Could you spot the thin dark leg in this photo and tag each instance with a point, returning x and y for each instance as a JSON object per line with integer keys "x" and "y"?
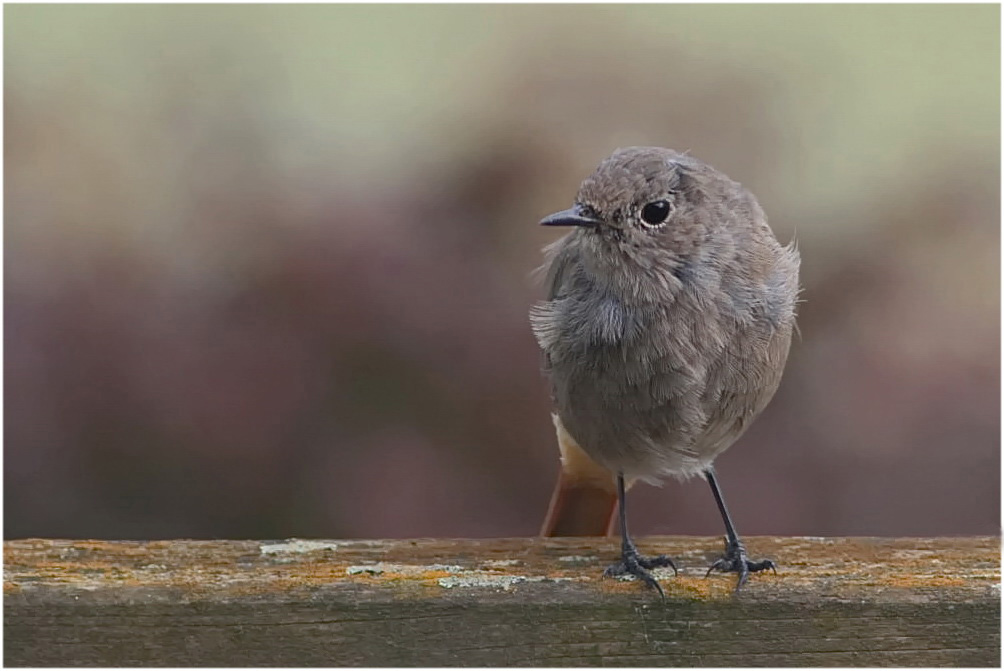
{"x": 730, "y": 530}
{"x": 734, "y": 559}
{"x": 632, "y": 562}
{"x": 622, "y": 510}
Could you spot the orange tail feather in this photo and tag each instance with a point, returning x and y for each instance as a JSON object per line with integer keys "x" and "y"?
{"x": 585, "y": 496}
{"x": 579, "y": 509}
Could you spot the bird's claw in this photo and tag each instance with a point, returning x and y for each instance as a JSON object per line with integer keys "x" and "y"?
{"x": 735, "y": 561}
{"x": 632, "y": 563}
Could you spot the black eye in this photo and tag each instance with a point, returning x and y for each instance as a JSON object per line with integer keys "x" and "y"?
{"x": 655, "y": 213}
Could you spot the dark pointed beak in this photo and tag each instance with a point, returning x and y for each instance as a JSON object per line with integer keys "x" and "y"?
{"x": 570, "y": 217}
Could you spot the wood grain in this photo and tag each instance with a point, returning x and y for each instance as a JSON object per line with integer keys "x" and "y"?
{"x": 526, "y": 602}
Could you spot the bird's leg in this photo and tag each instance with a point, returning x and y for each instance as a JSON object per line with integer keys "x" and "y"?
{"x": 631, "y": 562}
{"x": 735, "y": 559}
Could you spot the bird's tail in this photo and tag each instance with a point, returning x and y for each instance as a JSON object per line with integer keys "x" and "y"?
{"x": 585, "y": 496}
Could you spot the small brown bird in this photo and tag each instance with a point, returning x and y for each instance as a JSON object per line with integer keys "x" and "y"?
{"x": 665, "y": 333}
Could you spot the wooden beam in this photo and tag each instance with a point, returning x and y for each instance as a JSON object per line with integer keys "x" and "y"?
{"x": 541, "y": 601}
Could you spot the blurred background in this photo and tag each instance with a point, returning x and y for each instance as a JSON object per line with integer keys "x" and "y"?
{"x": 267, "y": 268}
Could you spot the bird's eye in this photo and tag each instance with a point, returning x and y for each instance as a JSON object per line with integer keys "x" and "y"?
{"x": 655, "y": 213}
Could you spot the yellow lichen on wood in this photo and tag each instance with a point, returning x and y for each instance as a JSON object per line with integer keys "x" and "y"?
{"x": 838, "y": 566}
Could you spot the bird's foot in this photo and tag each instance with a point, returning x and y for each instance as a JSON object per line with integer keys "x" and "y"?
{"x": 632, "y": 563}
{"x": 735, "y": 561}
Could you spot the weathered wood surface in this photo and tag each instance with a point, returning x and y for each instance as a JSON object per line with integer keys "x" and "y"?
{"x": 516, "y": 602}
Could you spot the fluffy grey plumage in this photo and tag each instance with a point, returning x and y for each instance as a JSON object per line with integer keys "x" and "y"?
{"x": 663, "y": 340}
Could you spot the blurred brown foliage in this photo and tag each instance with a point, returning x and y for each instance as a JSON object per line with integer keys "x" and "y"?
{"x": 205, "y": 338}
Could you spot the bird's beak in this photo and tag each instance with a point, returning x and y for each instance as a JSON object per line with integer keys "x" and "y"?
{"x": 570, "y": 217}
